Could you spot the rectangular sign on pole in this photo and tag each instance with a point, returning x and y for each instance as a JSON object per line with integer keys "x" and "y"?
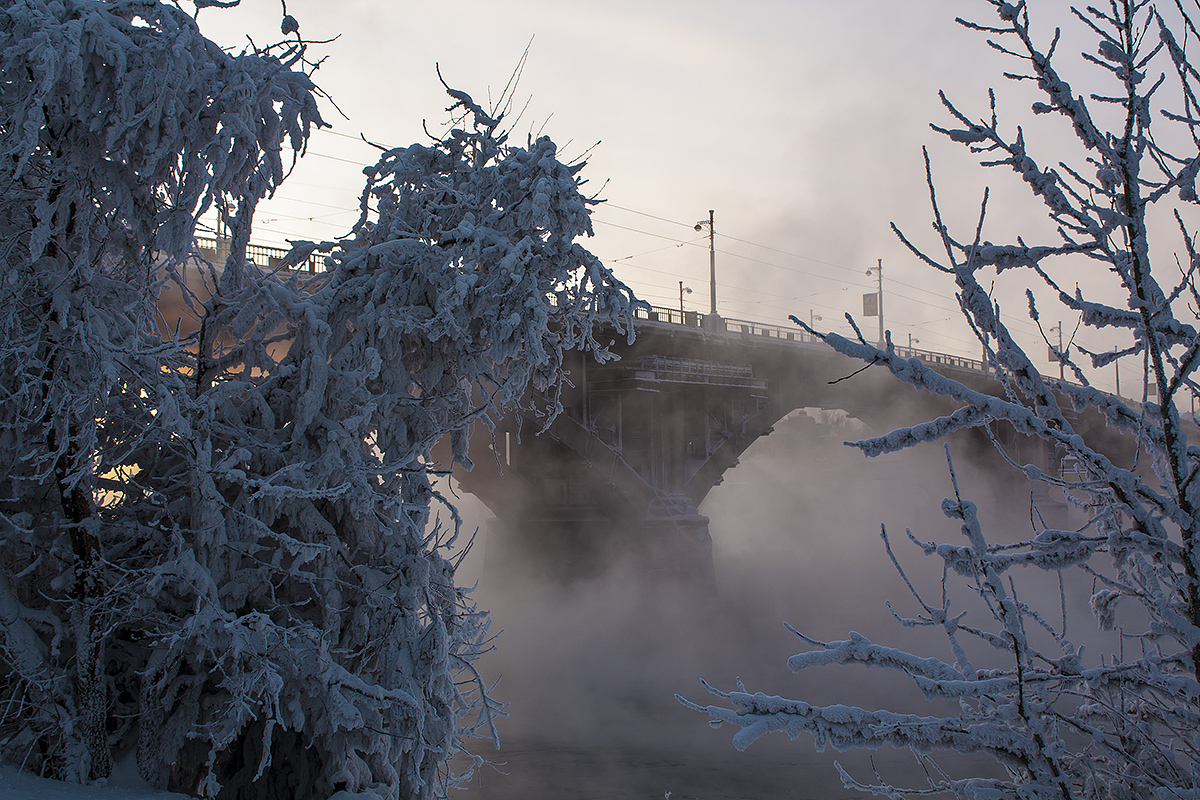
{"x": 871, "y": 304}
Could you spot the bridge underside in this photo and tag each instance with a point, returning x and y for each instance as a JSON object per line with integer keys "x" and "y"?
{"x": 621, "y": 472}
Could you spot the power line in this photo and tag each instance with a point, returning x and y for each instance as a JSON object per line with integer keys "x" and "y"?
{"x": 668, "y": 238}
{"x": 731, "y": 254}
{"x": 336, "y": 158}
{"x": 644, "y": 233}
{"x": 674, "y": 243}
{"x": 332, "y": 132}
{"x": 339, "y": 209}
{"x": 736, "y": 287}
{"x": 731, "y": 238}
{"x": 895, "y": 282}
{"x": 648, "y": 252}
{"x": 610, "y": 204}
{"x": 765, "y": 247}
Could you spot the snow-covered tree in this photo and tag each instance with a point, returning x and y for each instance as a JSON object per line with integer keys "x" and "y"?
{"x": 1119, "y": 721}
{"x": 216, "y": 552}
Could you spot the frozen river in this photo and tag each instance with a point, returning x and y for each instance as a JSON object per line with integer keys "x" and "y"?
{"x": 772, "y": 768}
{"x": 547, "y": 770}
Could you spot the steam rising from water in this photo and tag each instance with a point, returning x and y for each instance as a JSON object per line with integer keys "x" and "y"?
{"x": 590, "y": 669}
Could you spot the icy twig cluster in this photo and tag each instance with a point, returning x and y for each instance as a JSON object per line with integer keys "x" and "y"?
{"x": 1061, "y": 724}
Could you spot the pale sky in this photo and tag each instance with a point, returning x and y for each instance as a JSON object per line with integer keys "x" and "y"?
{"x": 800, "y": 122}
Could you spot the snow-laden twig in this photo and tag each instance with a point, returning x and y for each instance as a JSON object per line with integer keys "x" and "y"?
{"x": 216, "y": 550}
{"x": 1061, "y": 722}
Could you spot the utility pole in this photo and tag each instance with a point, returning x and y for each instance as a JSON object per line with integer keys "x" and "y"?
{"x": 222, "y": 245}
{"x": 878, "y": 270}
{"x": 712, "y": 259}
{"x": 1062, "y": 367}
{"x": 983, "y": 359}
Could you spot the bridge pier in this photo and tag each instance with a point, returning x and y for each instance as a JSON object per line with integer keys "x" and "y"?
{"x": 620, "y": 473}
{"x": 671, "y": 545}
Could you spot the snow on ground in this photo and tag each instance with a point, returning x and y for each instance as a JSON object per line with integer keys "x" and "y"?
{"x": 17, "y": 785}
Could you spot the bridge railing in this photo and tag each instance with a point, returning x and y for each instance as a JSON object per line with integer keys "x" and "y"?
{"x": 215, "y": 251}
{"x": 787, "y": 334}
{"x": 745, "y": 327}
{"x": 672, "y": 316}
{"x": 695, "y": 319}
{"x": 944, "y": 359}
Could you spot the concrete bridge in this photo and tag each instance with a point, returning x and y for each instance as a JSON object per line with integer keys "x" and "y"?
{"x": 642, "y": 440}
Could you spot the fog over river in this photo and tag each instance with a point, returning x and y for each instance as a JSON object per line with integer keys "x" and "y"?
{"x": 589, "y": 670}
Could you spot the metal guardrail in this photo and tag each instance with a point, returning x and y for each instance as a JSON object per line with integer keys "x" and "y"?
{"x": 694, "y": 319}
{"x": 214, "y": 251}
{"x": 942, "y": 359}
{"x": 671, "y": 316}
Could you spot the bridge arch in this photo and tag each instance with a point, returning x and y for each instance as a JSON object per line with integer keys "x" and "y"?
{"x": 641, "y": 441}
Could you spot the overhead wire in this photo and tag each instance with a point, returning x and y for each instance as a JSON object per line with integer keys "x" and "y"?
{"x": 752, "y": 259}
{"x": 674, "y": 243}
{"x": 668, "y": 238}
{"x": 744, "y": 289}
{"x": 648, "y": 252}
{"x": 718, "y": 234}
{"x": 610, "y": 204}
{"x": 1029, "y": 327}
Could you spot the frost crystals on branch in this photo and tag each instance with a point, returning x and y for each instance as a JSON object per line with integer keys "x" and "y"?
{"x": 215, "y": 549}
{"x": 1062, "y": 723}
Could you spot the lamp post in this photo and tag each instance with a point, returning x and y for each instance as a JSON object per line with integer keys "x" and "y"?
{"x": 712, "y": 260}
{"x": 878, "y": 270}
{"x": 682, "y": 289}
{"x": 911, "y": 342}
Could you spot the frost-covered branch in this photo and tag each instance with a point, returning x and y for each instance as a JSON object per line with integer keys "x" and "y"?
{"x": 214, "y": 545}
{"x": 1063, "y": 723}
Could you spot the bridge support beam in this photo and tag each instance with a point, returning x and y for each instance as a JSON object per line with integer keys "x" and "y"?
{"x": 623, "y": 470}
{"x": 620, "y": 474}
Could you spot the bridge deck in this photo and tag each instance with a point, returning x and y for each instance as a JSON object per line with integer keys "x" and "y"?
{"x": 691, "y": 319}
{"x": 269, "y": 257}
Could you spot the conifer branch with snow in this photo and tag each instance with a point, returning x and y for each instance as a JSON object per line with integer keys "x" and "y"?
{"x": 216, "y": 551}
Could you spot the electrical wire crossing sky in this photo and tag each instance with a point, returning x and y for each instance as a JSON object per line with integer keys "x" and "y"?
{"x": 800, "y": 124}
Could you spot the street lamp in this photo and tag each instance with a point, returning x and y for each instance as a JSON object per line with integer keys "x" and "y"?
{"x": 911, "y": 342}
{"x": 712, "y": 260}
{"x": 682, "y": 289}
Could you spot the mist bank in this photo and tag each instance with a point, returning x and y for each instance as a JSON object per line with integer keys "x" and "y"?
{"x": 590, "y": 668}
